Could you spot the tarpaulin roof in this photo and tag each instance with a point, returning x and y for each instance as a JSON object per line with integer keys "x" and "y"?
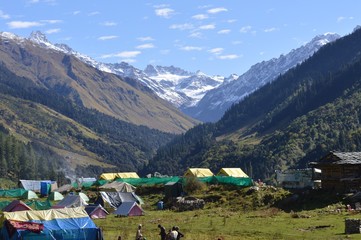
{"x": 71, "y": 201}
{"x": 34, "y": 185}
{"x": 129, "y": 209}
{"x": 198, "y": 172}
{"x": 117, "y": 187}
{"x": 148, "y": 181}
{"x": 66, "y": 223}
{"x": 232, "y": 172}
{"x": 115, "y": 199}
{"x": 112, "y": 176}
{"x": 16, "y": 205}
{"x": 12, "y": 192}
{"x": 96, "y": 211}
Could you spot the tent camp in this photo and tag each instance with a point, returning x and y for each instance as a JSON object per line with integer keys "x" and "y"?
{"x": 112, "y": 176}
{"x": 96, "y": 211}
{"x": 232, "y": 172}
{"x": 33, "y": 185}
{"x": 115, "y": 199}
{"x": 198, "y": 172}
{"x": 129, "y": 209}
{"x": 70, "y": 201}
{"x": 117, "y": 187}
{"x": 68, "y": 223}
{"x": 29, "y": 195}
{"x": 55, "y": 196}
{"x": 16, "y": 205}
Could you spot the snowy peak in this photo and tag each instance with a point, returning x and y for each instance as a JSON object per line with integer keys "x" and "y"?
{"x": 38, "y": 37}
{"x": 215, "y": 102}
{"x": 151, "y": 70}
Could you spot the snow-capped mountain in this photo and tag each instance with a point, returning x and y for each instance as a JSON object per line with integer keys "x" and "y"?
{"x": 177, "y": 86}
{"x": 216, "y": 101}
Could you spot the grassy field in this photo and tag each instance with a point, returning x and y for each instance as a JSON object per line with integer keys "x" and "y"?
{"x": 238, "y": 214}
{"x": 220, "y": 223}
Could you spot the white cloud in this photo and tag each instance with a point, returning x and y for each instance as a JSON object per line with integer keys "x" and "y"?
{"x": 94, "y": 13}
{"x": 216, "y": 51}
{"x": 53, "y": 30}
{"x": 224, "y": 31}
{"x": 164, "y": 12}
{"x": 146, "y": 46}
{"x": 340, "y": 19}
{"x": 144, "y": 39}
{"x": 124, "y": 54}
{"x": 128, "y": 54}
{"x": 228, "y": 57}
{"x": 51, "y": 21}
{"x": 217, "y": 10}
{"x": 185, "y": 26}
{"x": 103, "y": 38}
{"x": 191, "y": 48}
{"x": 76, "y": 12}
{"x": 196, "y": 35}
{"x": 245, "y": 29}
{"x": 4, "y": 15}
{"x": 23, "y": 24}
{"x": 200, "y": 16}
{"x": 109, "y": 24}
{"x": 270, "y": 29}
{"x": 207, "y": 27}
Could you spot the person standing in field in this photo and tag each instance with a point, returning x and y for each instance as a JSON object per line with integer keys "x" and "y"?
{"x": 173, "y": 234}
{"x": 139, "y": 235}
{"x": 162, "y": 232}
{"x": 179, "y": 235}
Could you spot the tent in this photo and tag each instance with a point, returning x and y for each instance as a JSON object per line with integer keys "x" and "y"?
{"x": 115, "y": 199}
{"x": 232, "y": 172}
{"x": 55, "y": 196}
{"x": 198, "y": 172}
{"x": 13, "y": 193}
{"x": 84, "y": 197}
{"x": 129, "y": 209}
{"x": 117, "y": 187}
{"x": 112, "y": 176}
{"x": 96, "y": 211}
{"x": 16, "y": 205}
{"x": 33, "y": 185}
{"x": 29, "y": 195}
{"x": 68, "y": 223}
{"x": 71, "y": 201}
{"x": 39, "y": 205}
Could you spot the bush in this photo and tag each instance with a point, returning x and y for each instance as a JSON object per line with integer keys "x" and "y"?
{"x": 192, "y": 185}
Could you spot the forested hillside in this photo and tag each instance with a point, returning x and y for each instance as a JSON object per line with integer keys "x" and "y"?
{"x": 67, "y": 136}
{"x": 311, "y": 109}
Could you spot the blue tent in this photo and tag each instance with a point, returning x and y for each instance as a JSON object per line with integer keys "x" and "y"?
{"x": 66, "y": 223}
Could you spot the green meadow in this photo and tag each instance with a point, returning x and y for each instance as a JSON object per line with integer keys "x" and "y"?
{"x": 242, "y": 214}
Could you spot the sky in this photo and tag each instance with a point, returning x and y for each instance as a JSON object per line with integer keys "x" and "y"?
{"x": 219, "y": 37}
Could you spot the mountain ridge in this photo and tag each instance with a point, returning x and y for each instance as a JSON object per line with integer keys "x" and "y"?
{"x": 47, "y": 65}
{"x": 215, "y": 102}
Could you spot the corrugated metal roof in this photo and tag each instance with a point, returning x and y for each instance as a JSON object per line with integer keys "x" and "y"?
{"x": 341, "y": 158}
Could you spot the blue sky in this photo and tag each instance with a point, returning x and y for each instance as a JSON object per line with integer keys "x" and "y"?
{"x": 217, "y": 37}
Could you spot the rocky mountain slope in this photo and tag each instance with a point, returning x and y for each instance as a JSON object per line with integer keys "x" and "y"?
{"x": 52, "y": 67}
{"x": 216, "y": 101}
